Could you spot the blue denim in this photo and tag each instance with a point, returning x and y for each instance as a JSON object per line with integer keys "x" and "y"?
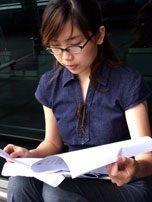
{"x": 24, "y": 189}
{"x": 117, "y": 89}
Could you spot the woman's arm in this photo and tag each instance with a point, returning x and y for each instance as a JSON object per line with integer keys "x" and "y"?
{"x": 124, "y": 169}
{"x": 52, "y": 143}
{"x": 138, "y": 124}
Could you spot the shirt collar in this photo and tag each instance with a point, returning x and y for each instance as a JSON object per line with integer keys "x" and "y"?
{"x": 102, "y": 76}
{"x": 67, "y": 76}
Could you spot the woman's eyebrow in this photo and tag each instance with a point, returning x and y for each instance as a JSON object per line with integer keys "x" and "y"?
{"x": 73, "y": 37}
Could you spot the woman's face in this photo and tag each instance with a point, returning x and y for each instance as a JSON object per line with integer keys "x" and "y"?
{"x": 79, "y": 63}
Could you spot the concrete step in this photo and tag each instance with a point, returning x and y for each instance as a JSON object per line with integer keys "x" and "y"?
{"x": 3, "y": 189}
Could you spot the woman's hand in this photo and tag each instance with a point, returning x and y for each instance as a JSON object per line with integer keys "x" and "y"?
{"x": 122, "y": 171}
{"x": 16, "y": 151}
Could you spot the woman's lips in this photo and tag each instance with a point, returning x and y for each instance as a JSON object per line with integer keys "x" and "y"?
{"x": 71, "y": 67}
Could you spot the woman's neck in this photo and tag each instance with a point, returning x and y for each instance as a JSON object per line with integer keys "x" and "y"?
{"x": 84, "y": 79}
{"x": 84, "y": 84}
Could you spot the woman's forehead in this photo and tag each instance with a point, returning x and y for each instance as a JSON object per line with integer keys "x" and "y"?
{"x": 68, "y": 38}
{"x": 69, "y": 32}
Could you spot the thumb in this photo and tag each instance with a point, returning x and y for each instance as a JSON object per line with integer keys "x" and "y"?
{"x": 121, "y": 160}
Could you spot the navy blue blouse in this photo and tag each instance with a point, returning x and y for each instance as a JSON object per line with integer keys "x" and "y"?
{"x": 118, "y": 89}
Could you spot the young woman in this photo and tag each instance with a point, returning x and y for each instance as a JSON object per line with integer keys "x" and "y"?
{"x": 90, "y": 99}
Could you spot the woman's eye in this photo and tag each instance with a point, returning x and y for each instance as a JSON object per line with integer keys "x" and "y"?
{"x": 54, "y": 45}
{"x": 76, "y": 44}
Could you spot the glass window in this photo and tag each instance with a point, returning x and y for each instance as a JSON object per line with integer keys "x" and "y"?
{"x": 22, "y": 61}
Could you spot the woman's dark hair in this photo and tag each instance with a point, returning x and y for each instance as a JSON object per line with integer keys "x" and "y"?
{"x": 87, "y": 15}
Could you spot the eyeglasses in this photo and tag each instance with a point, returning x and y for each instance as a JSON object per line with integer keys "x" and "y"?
{"x": 70, "y": 49}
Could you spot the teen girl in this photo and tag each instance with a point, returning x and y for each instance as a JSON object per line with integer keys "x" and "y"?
{"x": 90, "y": 99}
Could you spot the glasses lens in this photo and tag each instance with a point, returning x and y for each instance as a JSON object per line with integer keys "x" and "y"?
{"x": 71, "y": 49}
{"x": 56, "y": 51}
{"x": 74, "y": 49}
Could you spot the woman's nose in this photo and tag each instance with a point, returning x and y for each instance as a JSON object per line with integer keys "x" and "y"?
{"x": 66, "y": 55}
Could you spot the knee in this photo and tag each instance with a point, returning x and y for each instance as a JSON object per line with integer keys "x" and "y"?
{"x": 24, "y": 189}
{"x": 57, "y": 194}
{"x": 16, "y": 184}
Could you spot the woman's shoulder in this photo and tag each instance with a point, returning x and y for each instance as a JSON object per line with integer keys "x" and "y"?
{"x": 125, "y": 73}
{"x": 126, "y": 78}
{"x": 51, "y": 74}
{"x": 51, "y": 77}
{"x": 47, "y": 86}
{"x": 128, "y": 86}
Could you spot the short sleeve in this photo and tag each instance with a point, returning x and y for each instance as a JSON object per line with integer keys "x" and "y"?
{"x": 43, "y": 91}
{"x": 135, "y": 91}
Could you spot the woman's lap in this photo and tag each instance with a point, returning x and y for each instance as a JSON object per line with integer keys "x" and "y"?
{"x": 77, "y": 190}
{"x": 106, "y": 191}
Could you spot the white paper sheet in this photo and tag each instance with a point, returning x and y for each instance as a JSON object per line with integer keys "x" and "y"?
{"x": 53, "y": 169}
{"x": 96, "y": 157}
{"x": 15, "y": 169}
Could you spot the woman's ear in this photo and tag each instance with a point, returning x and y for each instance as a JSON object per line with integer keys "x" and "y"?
{"x": 100, "y": 35}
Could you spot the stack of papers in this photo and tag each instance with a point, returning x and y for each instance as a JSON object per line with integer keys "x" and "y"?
{"x": 89, "y": 162}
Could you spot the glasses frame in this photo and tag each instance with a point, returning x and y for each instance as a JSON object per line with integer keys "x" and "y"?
{"x": 67, "y": 49}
